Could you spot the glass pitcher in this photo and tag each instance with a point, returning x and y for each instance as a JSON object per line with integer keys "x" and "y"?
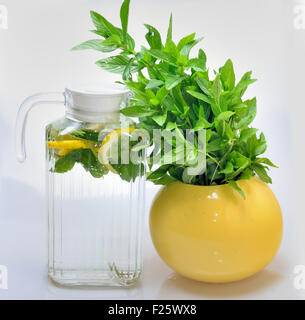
{"x": 95, "y": 199}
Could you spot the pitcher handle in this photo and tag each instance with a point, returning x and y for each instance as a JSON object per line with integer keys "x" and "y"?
{"x": 21, "y": 121}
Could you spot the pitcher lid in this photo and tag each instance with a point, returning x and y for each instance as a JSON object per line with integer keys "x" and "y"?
{"x": 90, "y": 101}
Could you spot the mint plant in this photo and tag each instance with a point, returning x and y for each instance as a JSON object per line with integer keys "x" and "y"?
{"x": 173, "y": 91}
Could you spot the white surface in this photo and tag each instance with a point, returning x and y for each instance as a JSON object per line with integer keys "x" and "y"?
{"x": 34, "y": 57}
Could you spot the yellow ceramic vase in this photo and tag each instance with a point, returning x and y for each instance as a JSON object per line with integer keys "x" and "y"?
{"x": 211, "y": 234}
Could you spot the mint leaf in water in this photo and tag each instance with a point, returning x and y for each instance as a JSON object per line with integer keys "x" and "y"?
{"x": 129, "y": 172}
{"x": 86, "y": 157}
{"x": 86, "y": 134}
{"x": 67, "y": 162}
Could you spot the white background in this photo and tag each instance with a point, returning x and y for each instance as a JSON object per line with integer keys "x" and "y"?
{"x": 35, "y": 56}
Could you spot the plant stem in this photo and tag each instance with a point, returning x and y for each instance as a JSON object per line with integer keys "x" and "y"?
{"x": 219, "y": 164}
{"x": 213, "y": 159}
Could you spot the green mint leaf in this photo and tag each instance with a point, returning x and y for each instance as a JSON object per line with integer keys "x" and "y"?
{"x": 179, "y": 100}
{"x": 186, "y": 178}
{"x": 137, "y": 111}
{"x": 163, "y": 56}
{"x": 228, "y": 169}
{"x": 113, "y": 40}
{"x": 138, "y": 89}
{"x": 184, "y": 41}
{"x": 265, "y": 161}
{"x": 224, "y": 116}
{"x": 227, "y": 75}
{"x": 100, "y": 33}
{"x": 170, "y": 29}
{"x": 261, "y": 172}
{"x": 67, "y": 162}
{"x": 239, "y": 109}
{"x": 188, "y": 47}
{"x": 154, "y": 83}
{"x": 128, "y": 70}
{"x": 215, "y": 145}
{"x": 130, "y": 42}
{"x": 85, "y": 157}
{"x": 204, "y": 86}
{"x": 86, "y": 134}
{"x": 97, "y": 45}
{"x": 171, "y": 48}
{"x": 239, "y": 160}
{"x": 256, "y": 146}
{"x": 171, "y": 126}
{"x": 261, "y": 145}
{"x": 153, "y": 37}
{"x": 200, "y": 96}
{"x": 176, "y": 172}
{"x": 103, "y": 24}
{"x": 234, "y": 185}
{"x": 91, "y": 164}
{"x": 165, "y": 180}
{"x": 201, "y": 124}
{"x": 196, "y": 64}
{"x": 247, "y": 118}
{"x": 202, "y": 56}
{"x": 129, "y": 172}
{"x": 162, "y": 94}
{"x": 243, "y": 84}
{"x": 246, "y": 175}
{"x": 247, "y": 133}
{"x": 229, "y": 132}
{"x": 117, "y": 64}
{"x": 159, "y": 173}
{"x": 172, "y": 81}
{"x": 160, "y": 119}
{"x": 171, "y": 106}
{"x": 250, "y": 146}
{"x": 216, "y": 89}
{"x": 124, "y": 14}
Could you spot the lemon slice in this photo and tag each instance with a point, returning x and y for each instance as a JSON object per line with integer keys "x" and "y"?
{"x": 105, "y": 150}
{"x": 66, "y": 146}
{"x": 64, "y": 152}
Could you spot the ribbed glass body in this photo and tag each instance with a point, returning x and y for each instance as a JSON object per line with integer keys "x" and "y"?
{"x": 95, "y": 223}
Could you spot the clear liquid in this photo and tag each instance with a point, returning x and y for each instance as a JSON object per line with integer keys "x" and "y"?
{"x": 95, "y": 228}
